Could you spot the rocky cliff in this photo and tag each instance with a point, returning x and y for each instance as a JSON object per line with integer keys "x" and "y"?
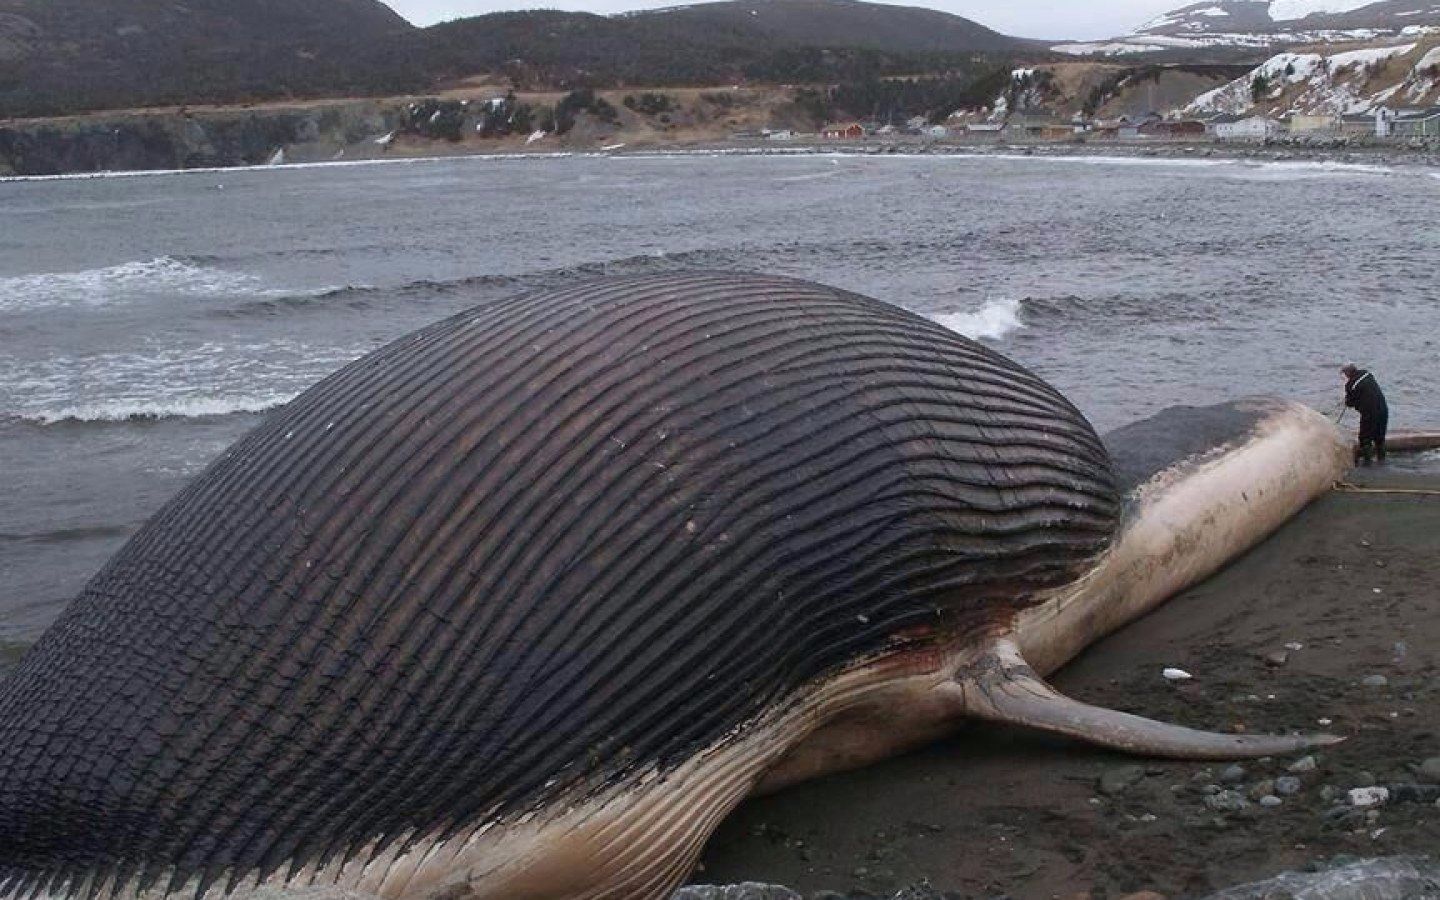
{"x": 235, "y": 137}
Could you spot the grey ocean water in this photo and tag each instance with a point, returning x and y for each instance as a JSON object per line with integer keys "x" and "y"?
{"x": 148, "y": 321}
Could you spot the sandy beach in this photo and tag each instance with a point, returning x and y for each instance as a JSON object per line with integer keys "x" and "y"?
{"x": 1007, "y": 813}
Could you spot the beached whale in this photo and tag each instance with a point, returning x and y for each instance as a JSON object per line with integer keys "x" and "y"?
{"x": 521, "y": 605}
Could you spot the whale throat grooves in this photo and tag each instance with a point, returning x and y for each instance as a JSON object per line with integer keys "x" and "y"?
{"x": 527, "y": 553}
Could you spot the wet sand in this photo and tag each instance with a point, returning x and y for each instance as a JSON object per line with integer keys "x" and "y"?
{"x": 1002, "y": 812}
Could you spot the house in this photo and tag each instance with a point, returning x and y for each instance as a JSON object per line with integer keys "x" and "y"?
{"x": 1384, "y": 122}
{"x": 843, "y": 131}
{"x": 1037, "y": 123}
{"x": 1214, "y": 122}
{"x": 779, "y": 134}
{"x": 1314, "y": 124}
{"x": 984, "y": 127}
{"x": 1254, "y": 128}
{"x": 1417, "y": 123}
{"x": 916, "y": 124}
{"x": 1173, "y": 128}
{"x": 1128, "y": 129}
{"x": 1359, "y": 125}
{"x": 937, "y": 132}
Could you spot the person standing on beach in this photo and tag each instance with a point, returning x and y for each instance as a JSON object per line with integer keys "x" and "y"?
{"x": 1362, "y": 393}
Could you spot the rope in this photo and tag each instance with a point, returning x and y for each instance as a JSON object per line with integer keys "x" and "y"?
{"x": 1346, "y": 487}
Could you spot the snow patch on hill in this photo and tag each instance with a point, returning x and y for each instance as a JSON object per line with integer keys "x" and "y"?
{"x": 1270, "y": 25}
{"x": 1313, "y": 83}
{"x": 1289, "y": 10}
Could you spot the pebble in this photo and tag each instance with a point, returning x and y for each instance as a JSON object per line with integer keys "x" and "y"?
{"x": 748, "y": 891}
{"x": 1375, "y": 681}
{"x": 1177, "y": 675}
{"x": 1304, "y": 764}
{"x": 1270, "y": 801}
{"x": 1117, "y": 780}
{"x": 1277, "y": 659}
{"x": 1227, "y": 801}
{"x": 1262, "y": 789}
{"x": 1430, "y": 769}
{"x": 1232, "y": 774}
{"x": 1368, "y": 796}
{"x": 1414, "y": 793}
{"x": 1293, "y": 646}
{"x": 1287, "y": 785}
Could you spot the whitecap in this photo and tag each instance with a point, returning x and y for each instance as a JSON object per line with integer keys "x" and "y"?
{"x": 163, "y": 274}
{"x": 163, "y": 381}
{"x": 993, "y": 321}
{"x": 180, "y": 407}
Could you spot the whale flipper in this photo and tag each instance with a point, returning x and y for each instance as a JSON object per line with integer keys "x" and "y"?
{"x": 1002, "y": 687}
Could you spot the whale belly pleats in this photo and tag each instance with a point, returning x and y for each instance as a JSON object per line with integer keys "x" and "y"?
{"x": 519, "y": 558}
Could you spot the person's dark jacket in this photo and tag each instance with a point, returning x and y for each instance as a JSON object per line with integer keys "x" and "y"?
{"x": 1363, "y": 393}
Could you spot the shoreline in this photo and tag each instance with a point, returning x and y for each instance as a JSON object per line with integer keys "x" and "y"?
{"x": 1380, "y": 159}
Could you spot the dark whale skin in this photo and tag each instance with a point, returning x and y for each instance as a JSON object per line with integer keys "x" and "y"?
{"x": 533, "y": 550}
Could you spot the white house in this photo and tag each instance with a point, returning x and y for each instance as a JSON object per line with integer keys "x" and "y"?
{"x": 1384, "y": 122}
{"x": 1253, "y": 128}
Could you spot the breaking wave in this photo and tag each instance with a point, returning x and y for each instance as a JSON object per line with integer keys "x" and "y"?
{"x": 167, "y": 275}
{"x": 155, "y": 410}
{"x": 993, "y": 321}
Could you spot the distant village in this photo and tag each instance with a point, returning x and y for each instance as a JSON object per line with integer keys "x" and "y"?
{"x": 1387, "y": 124}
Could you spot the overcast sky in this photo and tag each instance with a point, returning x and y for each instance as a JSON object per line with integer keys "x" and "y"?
{"x": 1083, "y": 19}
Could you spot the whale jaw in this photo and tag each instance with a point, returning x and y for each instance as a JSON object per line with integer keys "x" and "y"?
{"x": 1188, "y": 521}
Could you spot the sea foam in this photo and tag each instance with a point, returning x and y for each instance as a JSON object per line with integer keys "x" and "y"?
{"x": 993, "y": 321}
{"x": 163, "y": 274}
{"x": 166, "y": 276}
{"x": 149, "y": 410}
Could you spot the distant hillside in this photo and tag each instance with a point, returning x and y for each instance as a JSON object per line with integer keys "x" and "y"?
{"x": 835, "y": 23}
{"x": 64, "y": 55}
{"x": 784, "y": 40}
{"x": 60, "y": 56}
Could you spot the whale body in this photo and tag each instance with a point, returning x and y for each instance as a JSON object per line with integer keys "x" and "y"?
{"x": 521, "y": 605}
